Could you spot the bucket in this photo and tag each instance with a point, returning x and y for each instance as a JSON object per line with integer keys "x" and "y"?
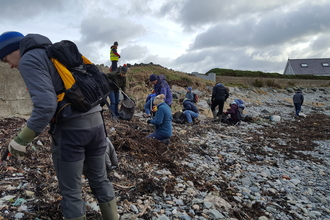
{"x": 127, "y": 109}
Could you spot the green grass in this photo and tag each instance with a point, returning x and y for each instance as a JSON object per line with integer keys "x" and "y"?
{"x": 260, "y": 74}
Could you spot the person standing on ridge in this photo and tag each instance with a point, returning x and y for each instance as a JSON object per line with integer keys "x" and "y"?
{"x": 78, "y": 143}
{"x": 114, "y": 57}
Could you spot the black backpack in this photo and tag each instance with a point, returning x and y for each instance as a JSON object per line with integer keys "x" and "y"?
{"x": 179, "y": 118}
{"x": 240, "y": 115}
{"x": 90, "y": 86}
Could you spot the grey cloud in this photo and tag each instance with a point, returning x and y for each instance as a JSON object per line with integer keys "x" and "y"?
{"x": 193, "y": 14}
{"x": 273, "y": 28}
{"x": 134, "y": 52}
{"x": 322, "y": 45}
{"x": 202, "y": 61}
{"x": 16, "y": 10}
{"x": 107, "y": 30}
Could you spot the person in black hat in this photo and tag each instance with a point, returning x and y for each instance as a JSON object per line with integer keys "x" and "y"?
{"x": 114, "y": 56}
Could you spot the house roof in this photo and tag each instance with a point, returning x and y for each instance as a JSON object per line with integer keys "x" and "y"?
{"x": 319, "y": 66}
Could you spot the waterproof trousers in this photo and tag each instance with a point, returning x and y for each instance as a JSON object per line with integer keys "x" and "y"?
{"x": 79, "y": 144}
{"x": 148, "y": 105}
{"x": 114, "y": 101}
{"x": 190, "y": 115}
{"x": 297, "y": 107}
{"x": 220, "y": 103}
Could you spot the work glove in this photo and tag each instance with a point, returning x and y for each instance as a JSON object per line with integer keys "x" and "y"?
{"x": 154, "y": 108}
{"x": 17, "y": 147}
{"x": 148, "y": 121}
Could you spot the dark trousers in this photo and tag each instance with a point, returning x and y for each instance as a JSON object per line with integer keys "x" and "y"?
{"x": 114, "y": 66}
{"x": 114, "y": 102}
{"x": 297, "y": 106}
{"x": 79, "y": 145}
{"x": 220, "y": 103}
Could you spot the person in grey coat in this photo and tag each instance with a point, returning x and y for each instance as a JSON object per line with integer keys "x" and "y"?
{"x": 298, "y": 100}
{"x": 78, "y": 142}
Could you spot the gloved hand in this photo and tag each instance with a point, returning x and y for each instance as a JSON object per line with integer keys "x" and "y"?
{"x": 17, "y": 147}
{"x": 119, "y": 56}
{"x": 154, "y": 108}
{"x": 182, "y": 110}
{"x": 148, "y": 121}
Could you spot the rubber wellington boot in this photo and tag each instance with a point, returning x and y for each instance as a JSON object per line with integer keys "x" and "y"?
{"x": 219, "y": 118}
{"x": 214, "y": 116}
{"x": 109, "y": 210}
{"x": 79, "y": 218}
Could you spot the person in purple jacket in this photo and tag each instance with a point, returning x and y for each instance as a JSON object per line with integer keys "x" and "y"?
{"x": 161, "y": 87}
{"x": 233, "y": 112}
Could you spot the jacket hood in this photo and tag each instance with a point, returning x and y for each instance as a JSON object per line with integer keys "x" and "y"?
{"x": 161, "y": 78}
{"x": 220, "y": 85}
{"x": 32, "y": 41}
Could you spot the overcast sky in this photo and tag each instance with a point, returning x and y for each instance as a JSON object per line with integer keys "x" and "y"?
{"x": 183, "y": 35}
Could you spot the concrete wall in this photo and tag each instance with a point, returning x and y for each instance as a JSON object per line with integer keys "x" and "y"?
{"x": 14, "y": 97}
{"x": 210, "y": 76}
{"x": 249, "y": 81}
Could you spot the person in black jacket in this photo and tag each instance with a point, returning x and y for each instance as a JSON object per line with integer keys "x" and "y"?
{"x": 219, "y": 96}
{"x": 298, "y": 100}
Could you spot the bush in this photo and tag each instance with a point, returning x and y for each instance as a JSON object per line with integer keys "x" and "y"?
{"x": 260, "y": 74}
{"x": 291, "y": 84}
{"x": 271, "y": 83}
{"x": 258, "y": 83}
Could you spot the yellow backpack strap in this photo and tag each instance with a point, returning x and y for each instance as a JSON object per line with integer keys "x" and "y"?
{"x": 66, "y": 76}
{"x": 86, "y": 61}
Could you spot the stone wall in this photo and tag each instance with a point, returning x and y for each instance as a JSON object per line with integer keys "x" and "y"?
{"x": 249, "y": 81}
{"x": 14, "y": 97}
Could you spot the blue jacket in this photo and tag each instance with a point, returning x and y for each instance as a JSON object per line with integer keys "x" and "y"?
{"x": 150, "y": 96}
{"x": 163, "y": 120}
{"x": 189, "y": 96}
{"x": 162, "y": 87}
{"x": 188, "y": 105}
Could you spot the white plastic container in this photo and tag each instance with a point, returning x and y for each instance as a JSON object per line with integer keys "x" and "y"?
{"x": 276, "y": 118}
